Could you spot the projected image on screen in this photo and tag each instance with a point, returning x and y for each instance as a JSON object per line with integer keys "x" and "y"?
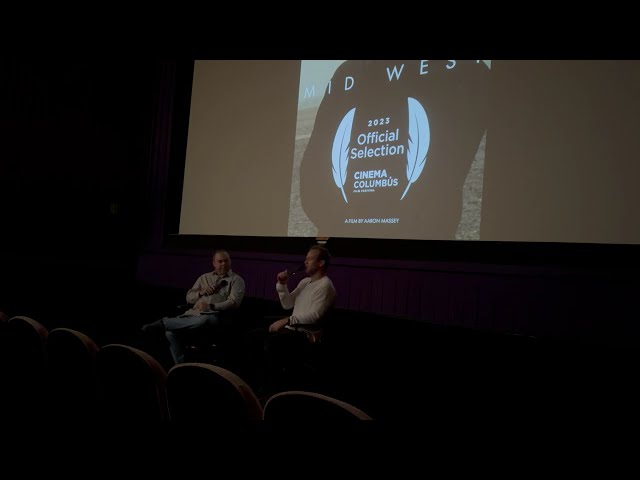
{"x": 395, "y": 149}
{"x": 389, "y": 149}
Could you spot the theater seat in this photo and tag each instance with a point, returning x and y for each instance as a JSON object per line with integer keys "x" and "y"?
{"x": 199, "y": 392}
{"x": 133, "y": 385}
{"x": 73, "y": 378}
{"x": 309, "y": 406}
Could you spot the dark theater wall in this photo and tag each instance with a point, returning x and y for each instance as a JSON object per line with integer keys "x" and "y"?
{"x": 74, "y": 141}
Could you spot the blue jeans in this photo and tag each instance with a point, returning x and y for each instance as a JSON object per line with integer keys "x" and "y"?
{"x": 175, "y": 325}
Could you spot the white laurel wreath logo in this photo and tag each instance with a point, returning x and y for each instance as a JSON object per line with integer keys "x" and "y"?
{"x": 418, "y": 145}
{"x": 340, "y": 151}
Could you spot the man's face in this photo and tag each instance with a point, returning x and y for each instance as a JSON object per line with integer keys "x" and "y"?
{"x": 221, "y": 263}
{"x": 311, "y": 262}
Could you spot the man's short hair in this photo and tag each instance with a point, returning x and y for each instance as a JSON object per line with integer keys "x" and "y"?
{"x": 221, "y": 252}
{"x": 323, "y": 254}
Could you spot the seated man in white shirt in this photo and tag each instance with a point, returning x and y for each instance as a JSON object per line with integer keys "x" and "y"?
{"x": 310, "y": 300}
{"x": 213, "y": 296}
{"x": 312, "y": 297}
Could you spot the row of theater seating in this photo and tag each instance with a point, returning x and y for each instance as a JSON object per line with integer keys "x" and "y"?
{"x": 64, "y": 373}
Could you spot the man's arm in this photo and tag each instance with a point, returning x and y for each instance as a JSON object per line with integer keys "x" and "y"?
{"x": 288, "y": 299}
{"x": 193, "y": 295}
{"x": 279, "y": 324}
{"x": 236, "y": 294}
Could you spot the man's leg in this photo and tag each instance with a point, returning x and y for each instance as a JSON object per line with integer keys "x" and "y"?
{"x": 281, "y": 349}
{"x": 252, "y": 354}
{"x": 176, "y": 326}
{"x": 176, "y": 347}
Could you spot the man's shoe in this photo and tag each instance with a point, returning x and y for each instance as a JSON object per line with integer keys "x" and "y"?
{"x": 153, "y": 327}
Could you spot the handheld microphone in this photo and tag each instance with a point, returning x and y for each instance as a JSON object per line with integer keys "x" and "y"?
{"x": 298, "y": 270}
